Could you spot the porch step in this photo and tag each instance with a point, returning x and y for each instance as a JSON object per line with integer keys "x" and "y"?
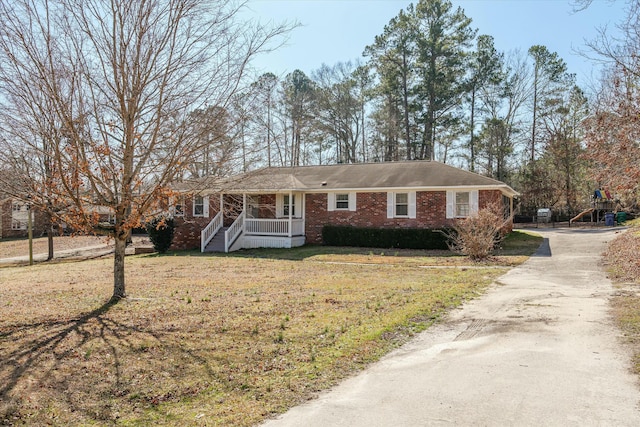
{"x": 217, "y": 243}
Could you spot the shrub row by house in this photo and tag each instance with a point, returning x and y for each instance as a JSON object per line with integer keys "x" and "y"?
{"x": 405, "y": 238}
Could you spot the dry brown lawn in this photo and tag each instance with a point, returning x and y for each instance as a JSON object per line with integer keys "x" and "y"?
{"x": 209, "y": 340}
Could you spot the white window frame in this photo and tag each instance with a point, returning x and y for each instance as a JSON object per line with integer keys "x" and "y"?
{"x": 342, "y": 201}
{"x": 288, "y": 204}
{"x": 463, "y": 207}
{"x": 453, "y": 206}
{"x": 178, "y": 208}
{"x": 297, "y": 205}
{"x": 397, "y": 204}
{"x": 332, "y": 201}
{"x": 392, "y": 204}
{"x": 204, "y": 205}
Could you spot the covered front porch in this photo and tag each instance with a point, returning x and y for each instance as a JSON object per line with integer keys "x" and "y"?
{"x": 249, "y": 220}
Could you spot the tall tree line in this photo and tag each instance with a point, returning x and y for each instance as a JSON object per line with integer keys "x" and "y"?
{"x": 428, "y": 87}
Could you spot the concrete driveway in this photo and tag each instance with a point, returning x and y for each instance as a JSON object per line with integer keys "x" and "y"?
{"x": 538, "y": 349}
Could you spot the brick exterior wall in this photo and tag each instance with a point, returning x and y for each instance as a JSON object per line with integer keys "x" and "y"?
{"x": 486, "y": 197}
{"x": 495, "y": 196}
{"x": 371, "y": 211}
{"x": 266, "y": 205}
{"x": 187, "y": 227}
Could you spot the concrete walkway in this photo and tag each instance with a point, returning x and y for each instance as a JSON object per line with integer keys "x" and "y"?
{"x": 539, "y": 349}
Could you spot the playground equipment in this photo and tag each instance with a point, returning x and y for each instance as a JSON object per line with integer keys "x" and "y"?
{"x": 581, "y": 214}
{"x": 603, "y": 206}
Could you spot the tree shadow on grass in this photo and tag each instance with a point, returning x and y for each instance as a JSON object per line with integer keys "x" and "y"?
{"x": 49, "y": 363}
{"x": 36, "y": 351}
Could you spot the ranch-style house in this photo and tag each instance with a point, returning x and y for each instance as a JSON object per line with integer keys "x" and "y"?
{"x": 284, "y": 207}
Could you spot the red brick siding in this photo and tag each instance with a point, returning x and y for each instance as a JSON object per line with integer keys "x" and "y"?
{"x": 267, "y": 205}
{"x": 486, "y": 197}
{"x": 187, "y": 228}
{"x": 371, "y": 211}
{"x": 491, "y": 196}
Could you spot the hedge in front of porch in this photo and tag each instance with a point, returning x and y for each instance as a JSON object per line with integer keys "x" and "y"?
{"x": 401, "y": 238}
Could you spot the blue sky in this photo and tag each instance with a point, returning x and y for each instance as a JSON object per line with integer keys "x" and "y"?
{"x": 332, "y": 31}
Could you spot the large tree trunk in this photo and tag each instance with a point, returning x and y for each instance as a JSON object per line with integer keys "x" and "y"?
{"x": 118, "y": 265}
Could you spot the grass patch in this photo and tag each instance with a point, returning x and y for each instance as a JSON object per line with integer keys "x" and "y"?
{"x": 215, "y": 339}
{"x": 514, "y": 250}
{"x": 519, "y": 243}
{"x": 623, "y": 265}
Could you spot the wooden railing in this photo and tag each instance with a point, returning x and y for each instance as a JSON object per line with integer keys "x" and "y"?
{"x": 273, "y": 227}
{"x": 210, "y": 230}
{"x": 234, "y": 232}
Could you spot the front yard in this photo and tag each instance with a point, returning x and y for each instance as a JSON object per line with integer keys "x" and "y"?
{"x": 215, "y": 339}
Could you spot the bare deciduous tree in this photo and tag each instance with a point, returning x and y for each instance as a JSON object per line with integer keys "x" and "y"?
{"x": 613, "y": 129}
{"x": 110, "y": 85}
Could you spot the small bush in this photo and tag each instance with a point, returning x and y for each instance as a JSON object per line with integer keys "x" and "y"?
{"x": 404, "y": 238}
{"x": 478, "y": 235}
{"x": 160, "y": 231}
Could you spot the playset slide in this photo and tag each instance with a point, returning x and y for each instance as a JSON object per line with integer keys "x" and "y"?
{"x": 581, "y": 214}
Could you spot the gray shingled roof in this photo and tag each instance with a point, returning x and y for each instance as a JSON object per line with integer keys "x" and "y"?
{"x": 359, "y": 176}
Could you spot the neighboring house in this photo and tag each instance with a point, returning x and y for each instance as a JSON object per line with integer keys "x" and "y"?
{"x": 14, "y": 219}
{"x": 287, "y": 207}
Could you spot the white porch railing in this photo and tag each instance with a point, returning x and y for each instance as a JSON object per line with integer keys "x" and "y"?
{"x": 210, "y": 230}
{"x": 234, "y": 231}
{"x": 273, "y": 227}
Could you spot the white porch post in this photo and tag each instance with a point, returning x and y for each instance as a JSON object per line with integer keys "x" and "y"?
{"x": 304, "y": 213}
{"x": 244, "y": 212}
{"x": 511, "y": 208}
{"x": 291, "y": 207}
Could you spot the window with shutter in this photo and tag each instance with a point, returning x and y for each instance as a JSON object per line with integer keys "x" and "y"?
{"x": 198, "y": 206}
{"x": 342, "y": 201}
{"x": 402, "y": 204}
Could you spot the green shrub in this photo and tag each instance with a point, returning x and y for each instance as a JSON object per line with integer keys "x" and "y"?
{"x": 404, "y": 238}
{"x": 160, "y": 231}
